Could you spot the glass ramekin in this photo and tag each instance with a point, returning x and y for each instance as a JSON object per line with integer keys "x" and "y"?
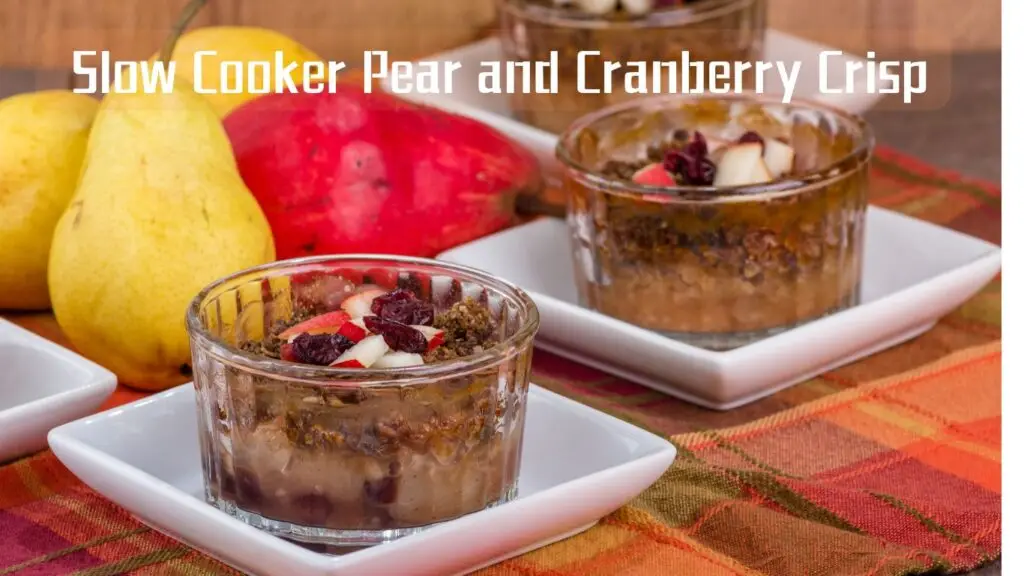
{"x": 718, "y": 268}
{"x": 709, "y": 30}
{"x": 352, "y": 457}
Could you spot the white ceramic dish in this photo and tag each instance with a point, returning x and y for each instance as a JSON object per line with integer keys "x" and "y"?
{"x": 43, "y": 385}
{"x": 578, "y": 465}
{"x": 466, "y": 99}
{"x": 915, "y": 273}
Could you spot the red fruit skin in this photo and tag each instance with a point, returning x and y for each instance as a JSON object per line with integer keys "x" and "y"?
{"x": 287, "y": 353}
{"x": 352, "y": 332}
{"x": 435, "y": 341}
{"x": 323, "y": 324}
{"x": 352, "y": 172}
{"x": 654, "y": 175}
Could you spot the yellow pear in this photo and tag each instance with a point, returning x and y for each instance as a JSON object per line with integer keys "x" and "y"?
{"x": 160, "y": 212}
{"x": 236, "y": 44}
{"x": 42, "y": 141}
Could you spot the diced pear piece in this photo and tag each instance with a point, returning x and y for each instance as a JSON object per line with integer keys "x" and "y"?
{"x": 761, "y": 173}
{"x": 364, "y": 354}
{"x": 596, "y": 6}
{"x": 742, "y": 165}
{"x": 638, "y": 7}
{"x": 779, "y": 157}
{"x": 398, "y": 360}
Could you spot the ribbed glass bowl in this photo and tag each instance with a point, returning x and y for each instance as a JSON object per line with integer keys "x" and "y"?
{"x": 356, "y": 456}
{"x": 718, "y": 267}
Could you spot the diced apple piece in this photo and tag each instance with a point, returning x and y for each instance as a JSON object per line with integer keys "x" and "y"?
{"x": 779, "y": 157}
{"x": 323, "y": 324}
{"x": 434, "y": 336}
{"x": 358, "y": 304}
{"x": 364, "y": 354}
{"x": 398, "y": 360}
{"x": 739, "y": 165}
{"x": 354, "y": 330}
{"x": 654, "y": 175}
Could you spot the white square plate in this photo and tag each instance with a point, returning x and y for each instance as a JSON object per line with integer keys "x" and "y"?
{"x": 578, "y": 466}
{"x": 466, "y": 99}
{"x": 915, "y": 273}
{"x": 43, "y": 385}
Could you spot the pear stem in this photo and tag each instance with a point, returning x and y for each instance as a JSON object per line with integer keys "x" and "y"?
{"x": 191, "y": 9}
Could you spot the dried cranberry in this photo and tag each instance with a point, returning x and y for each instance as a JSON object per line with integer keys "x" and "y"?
{"x": 402, "y": 306}
{"x": 319, "y": 349}
{"x": 674, "y": 162}
{"x": 410, "y": 312}
{"x": 399, "y": 337}
{"x": 751, "y": 136}
{"x": 692, "y": 162}
{"x": 394, "y": 296}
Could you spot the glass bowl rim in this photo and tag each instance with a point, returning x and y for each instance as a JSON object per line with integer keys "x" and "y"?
{"x": 824, "y": 176}
{"x": 663, "y": 18}
{"x": 366, "y": 377}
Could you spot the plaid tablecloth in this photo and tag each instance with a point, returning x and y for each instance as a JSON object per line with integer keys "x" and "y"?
{"x": 887, "y": 466}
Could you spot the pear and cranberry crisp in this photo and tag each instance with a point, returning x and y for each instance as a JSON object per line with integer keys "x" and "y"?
{"x": 353, "y": 455}
{"x": 727, "y": 242}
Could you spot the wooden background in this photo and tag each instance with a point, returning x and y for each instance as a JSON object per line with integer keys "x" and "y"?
{"x": 43, "y": 33}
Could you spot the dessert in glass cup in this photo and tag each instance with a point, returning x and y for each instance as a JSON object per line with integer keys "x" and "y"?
{"x": 352, "y": 400}
{"x": 717, "y": 221}
{"x": 621, "y": 31}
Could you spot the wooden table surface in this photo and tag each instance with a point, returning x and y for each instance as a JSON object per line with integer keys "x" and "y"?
{"x": 963, "y": 135}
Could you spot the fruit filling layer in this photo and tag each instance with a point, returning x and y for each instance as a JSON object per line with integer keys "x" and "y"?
{"x": 378, "y": 329}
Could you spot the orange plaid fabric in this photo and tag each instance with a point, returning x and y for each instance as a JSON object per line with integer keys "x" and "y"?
{"x": 887, "y": 466}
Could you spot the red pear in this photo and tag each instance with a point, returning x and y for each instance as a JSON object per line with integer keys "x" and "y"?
{"x": 350, "y": 172}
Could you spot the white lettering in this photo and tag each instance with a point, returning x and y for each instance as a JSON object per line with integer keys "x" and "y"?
{"x": 259, "y": 81}
{"x": 197, "y": 66}
{"x": 788, "y": 78}
{"x": 410, "y": 77}
{"x": 581, "y": 66}
{"x": 232, "y": 77}
{"x": 81, "y": 70}
{"x": 915, "y": 80}
{"x": 158, "y": 76}
{"x": 489, "y": 80}
{"x": 823, "y": 68}
{"x": 334, "y": 68}
{"x": 126, "y": 72}
{"x": 718, "y": 74}
{"x": 313, "y": 77}
{"x": 282, "y": 74}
